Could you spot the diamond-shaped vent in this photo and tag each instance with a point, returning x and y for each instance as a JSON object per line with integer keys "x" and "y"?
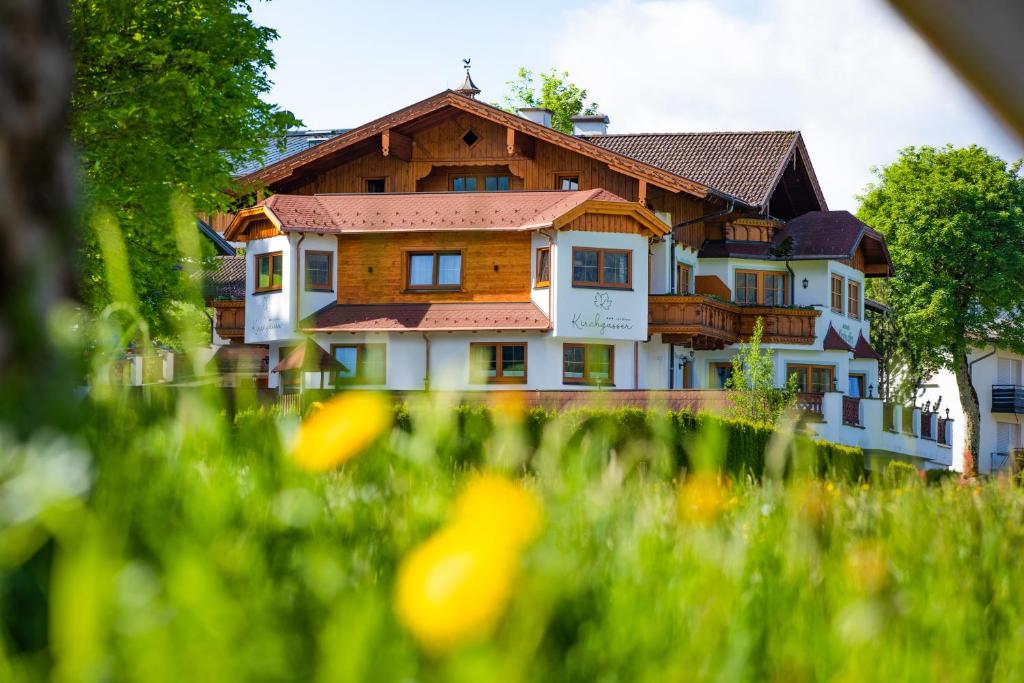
{"x": 470, "y": 138}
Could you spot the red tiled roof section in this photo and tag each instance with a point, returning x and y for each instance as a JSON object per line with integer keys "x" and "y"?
{"x": 746, "y": 165}
{"x": 864, "y": 349}
{"x": 403, "y": 212}
{"x": 427, "y": 317}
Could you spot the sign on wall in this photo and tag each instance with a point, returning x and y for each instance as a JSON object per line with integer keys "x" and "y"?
{"x": 602, "y": 319}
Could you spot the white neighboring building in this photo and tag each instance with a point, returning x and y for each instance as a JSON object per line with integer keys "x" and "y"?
{"x": 997, "y": 379}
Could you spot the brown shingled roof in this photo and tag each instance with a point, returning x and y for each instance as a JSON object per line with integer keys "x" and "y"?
{"x": 427, "y": 317}
{"x": 864, "y": 349}
{"x": 227, "y": 282}
{"x": 745, "y": 165}
{"x": 834, "y": 342}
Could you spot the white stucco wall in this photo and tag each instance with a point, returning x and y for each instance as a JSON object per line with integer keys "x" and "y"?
{"x": 597, "y": 313}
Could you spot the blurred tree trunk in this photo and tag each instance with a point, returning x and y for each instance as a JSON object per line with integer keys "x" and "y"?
{"x": 37, "y": 227}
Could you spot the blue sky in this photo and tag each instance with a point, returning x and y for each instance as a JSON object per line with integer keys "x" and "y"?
{"x": 850, "y": 75}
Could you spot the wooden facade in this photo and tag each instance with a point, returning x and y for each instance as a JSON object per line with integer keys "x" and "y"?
{"x": 373, "y": 269}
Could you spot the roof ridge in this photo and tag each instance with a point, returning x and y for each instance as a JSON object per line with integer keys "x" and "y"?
{"x": 697, "y": 132}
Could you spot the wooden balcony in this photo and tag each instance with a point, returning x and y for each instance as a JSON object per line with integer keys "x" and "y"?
{"x": 704, "y": 323}
{"x": 693, "y": 320}
{"x": 229, "y": 319}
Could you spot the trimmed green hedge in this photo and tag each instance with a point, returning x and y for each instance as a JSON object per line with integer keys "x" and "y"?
{"x": 745, "y": 443}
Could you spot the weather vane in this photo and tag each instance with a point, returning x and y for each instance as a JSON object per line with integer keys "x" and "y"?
{"x": 465, "y": 63}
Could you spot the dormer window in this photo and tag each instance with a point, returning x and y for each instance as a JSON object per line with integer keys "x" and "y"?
{"x": 567, "y": 183}
{"x": 375, "y": 185}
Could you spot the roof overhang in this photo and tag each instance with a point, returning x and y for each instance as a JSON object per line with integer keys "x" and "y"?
{"x": 293, "y": 165}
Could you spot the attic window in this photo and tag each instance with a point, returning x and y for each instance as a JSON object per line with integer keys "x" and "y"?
{"x": 470, "y": 138}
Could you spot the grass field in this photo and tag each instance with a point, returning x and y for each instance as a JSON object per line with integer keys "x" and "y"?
{"x": 169, "y": 543}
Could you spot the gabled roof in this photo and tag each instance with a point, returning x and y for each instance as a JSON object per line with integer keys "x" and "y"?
{"x": 864, "y": 349}
{"x": 309, "y": 356}
{"x": 294, "y": 141}
{"x": 745, "y": 165}
{"x": 816, "y": 235}
{"x": 437, "y": 211}
{"x": 227, "y": 282}
{"x": 219, "y": 243}
{"x": 293, "y": 165}
{"x": 427, "y": 317}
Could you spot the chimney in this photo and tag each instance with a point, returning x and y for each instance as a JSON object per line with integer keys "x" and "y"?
{"x": 537, "y": 115}
{"x": 590, "y": 124}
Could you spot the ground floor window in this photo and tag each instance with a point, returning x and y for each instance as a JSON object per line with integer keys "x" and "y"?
{"x": 720, "y": 374}
{"x": 497, "y": 363}
{"x": 588, "y": 364}
{"x": 360, "y": 364}
{"x": 814, "y": 379}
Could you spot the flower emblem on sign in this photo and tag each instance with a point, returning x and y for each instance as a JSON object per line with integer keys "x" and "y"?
{"x": 602, "y": 300}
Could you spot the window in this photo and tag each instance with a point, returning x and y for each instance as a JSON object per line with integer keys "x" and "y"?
{"x": 588, "y": 364}
{"x": 268, "y": 272}
{"x": 470, "y": 138}
{"x": 683, "y": 279}
{"x": 601, "y": 267}
{"x": 464, "y": 183}
{"x": 567, "y": 182}
{"x": 361, "y": 364}
{"x": 853, "y": 300}
{"x": 375, "y": 185}
{"x": 762, "y": 287}
{"x": 720, "y": 374}
{"x": 837, "y": 294}
{"x": 774, "y": 289}
{"x": 746, "y": 287}
{"x": 435, "y": 270}
{"x": 856, "y": 386}
{"x": 543, "y": 275}
{"x": 814, "y": 379}
{"x": 496, "y": 183}
{"x": 497, "y": 363}
{"x": 318, "y": 271}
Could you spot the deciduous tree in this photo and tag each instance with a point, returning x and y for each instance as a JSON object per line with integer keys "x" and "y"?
{"x": 167, "y": 99}
{"x": 954, "y": 222}
{"x": 564, "y": 98}
{"x": 752, "y": 387}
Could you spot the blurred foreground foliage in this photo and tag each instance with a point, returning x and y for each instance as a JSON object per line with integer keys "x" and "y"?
{"x": 166, "y": 541}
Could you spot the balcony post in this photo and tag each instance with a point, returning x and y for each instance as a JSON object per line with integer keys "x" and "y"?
{"x": 871, "y": 414}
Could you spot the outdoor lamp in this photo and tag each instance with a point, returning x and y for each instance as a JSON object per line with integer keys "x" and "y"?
{"x": 805, "y": 283}
{"x": 871, "y": 391}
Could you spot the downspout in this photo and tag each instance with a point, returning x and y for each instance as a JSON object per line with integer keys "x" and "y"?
{"x": 792, "y": 285}
{"x": 298, "y": 290}
{"x": 426, "y": 362}
{"x": 673, "y": 276}
{"x": 671, "y": 366}
{"x": 636, "y": 365}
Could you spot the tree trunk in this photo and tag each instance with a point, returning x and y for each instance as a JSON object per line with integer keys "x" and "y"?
{"x": 972, "y": 413}
{"x": 37, "y": 220}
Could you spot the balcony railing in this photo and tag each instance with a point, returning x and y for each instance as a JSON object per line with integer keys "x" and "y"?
{"x": 944, "y": 436}
{"x": 889, "y": 416}
{"x": 811, "y": 404}
{"x": 229, "y": 319}
{"x": 705, "y": 323}
{"x": 907, "y": 423}
{"x": 926, "y": 425}
{"x": 851, "y": 411}
{"x": 1008, "y": 398}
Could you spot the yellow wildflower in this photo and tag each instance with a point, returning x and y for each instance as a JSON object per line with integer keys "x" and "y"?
{"x": 341, "y": 429}
{"x": 503, "y": 508}
{"x": 701, "y": 498}
{"x": 867, "y": 568}
{"x": 510, "y": 405}
{"x": 455, "y": 587}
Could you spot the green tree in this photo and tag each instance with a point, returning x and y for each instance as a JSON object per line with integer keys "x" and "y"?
{"x": 752, "y": 387}
{"x": 167, "y": 99}
{"x": 954, "y": 222}
{"x": 564, "y": 98}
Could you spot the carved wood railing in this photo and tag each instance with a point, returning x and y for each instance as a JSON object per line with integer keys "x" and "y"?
{"x": 810, "y": 404}
{"x": 926, "y": 425}
{"x": 229, "y": 319}
{"x": 851, "y": 411}
{"x": 943, "y": 436}
{"x": 781, "y": 325}
{"x": 693, "y": 315}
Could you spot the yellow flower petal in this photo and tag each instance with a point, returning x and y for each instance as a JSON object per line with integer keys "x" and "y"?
{"x": 702, "y": 498}
{"x": 501, "y": 507}
{"x": 341, "y": 429}
{"x": 455, "y": 587}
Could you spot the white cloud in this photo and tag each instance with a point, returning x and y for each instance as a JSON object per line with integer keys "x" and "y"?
{"x": 850, "y": 75}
